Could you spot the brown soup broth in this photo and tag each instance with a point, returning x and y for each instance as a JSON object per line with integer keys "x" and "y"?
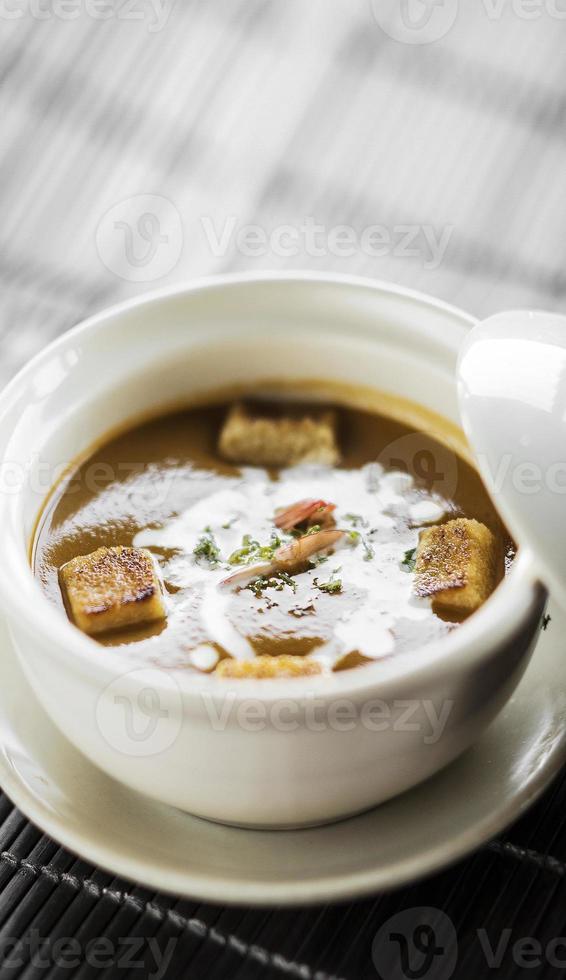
{"x": 148, "y": 485}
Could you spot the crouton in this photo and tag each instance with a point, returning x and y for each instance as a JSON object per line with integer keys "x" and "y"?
{"x": 265, "y": 666}
{"x": 267, "y": 441}
{"x": 112, "y": 588}
{"x": 457, "y": 566}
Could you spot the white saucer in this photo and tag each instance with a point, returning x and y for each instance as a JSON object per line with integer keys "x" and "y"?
{"x": 129, "y": 835}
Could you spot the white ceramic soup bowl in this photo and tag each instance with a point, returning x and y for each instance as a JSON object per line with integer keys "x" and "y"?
{"x": 256, "y": 753}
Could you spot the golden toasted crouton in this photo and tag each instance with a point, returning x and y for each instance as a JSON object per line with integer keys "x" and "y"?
{"x": 112, "y": 588}
{"x": 266, "y": 666}
{"x": 267, "y": 441}
{"x": 456, "y": 565}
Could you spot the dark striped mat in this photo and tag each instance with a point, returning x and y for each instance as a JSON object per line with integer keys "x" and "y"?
{"x": 502, "y": 910}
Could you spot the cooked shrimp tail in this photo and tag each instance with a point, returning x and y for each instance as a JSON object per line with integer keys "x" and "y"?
{"x": 290, "y": 558}
{"x": 246, "y": 575}
{"x": 307, "y": 512}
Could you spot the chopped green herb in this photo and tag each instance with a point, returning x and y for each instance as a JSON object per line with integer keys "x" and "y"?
{"x": 354, "y": 538}
{"x": 267, "y": 551}
{"x": 410, "y": 560}
{"x": 240, "y": 556}
{"x": 316, "y": 560}
{"x": 258, "y": 585}
{"x": 252, "y": 550}
{"x": 277, "y": 581}
{"x": 332, "y": 587}
{"x": 546, "y": 621}
{"x": 313, "y": 530}
{"x": 287, "y": 580}
{"x": 206, "y": 550}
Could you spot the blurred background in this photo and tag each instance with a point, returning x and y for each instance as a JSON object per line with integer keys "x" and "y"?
{"x": 151, "y": 141}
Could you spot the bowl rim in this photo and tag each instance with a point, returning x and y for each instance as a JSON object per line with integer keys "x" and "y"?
{"x": 480, "y": 637}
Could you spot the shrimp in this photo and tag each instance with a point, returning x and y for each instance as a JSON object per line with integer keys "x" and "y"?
{"x": 309, "y": 511}
{"x": 291, "y": 556}
{"x": 288, "y": 558}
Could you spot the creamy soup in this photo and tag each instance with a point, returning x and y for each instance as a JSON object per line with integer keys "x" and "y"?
{"x": 215, "y": 530}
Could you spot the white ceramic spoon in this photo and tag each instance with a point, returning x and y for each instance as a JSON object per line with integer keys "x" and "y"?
{"x": 512, "y": 390}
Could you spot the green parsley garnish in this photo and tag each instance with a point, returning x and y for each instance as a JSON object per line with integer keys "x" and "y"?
{"x": 286, "y": 579}
{"x": 316, "y": 560}
{"x": 277, "y": 581}
{"x": 258, "y": 585}
{"x": 206, "y": 550}
{"x": 332, "y": 587}
{"x": 410, "y": 560}
{"x": 244, "y": 554}
{"x": 252, "y": 550}
{"x": 354, "y": 538}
